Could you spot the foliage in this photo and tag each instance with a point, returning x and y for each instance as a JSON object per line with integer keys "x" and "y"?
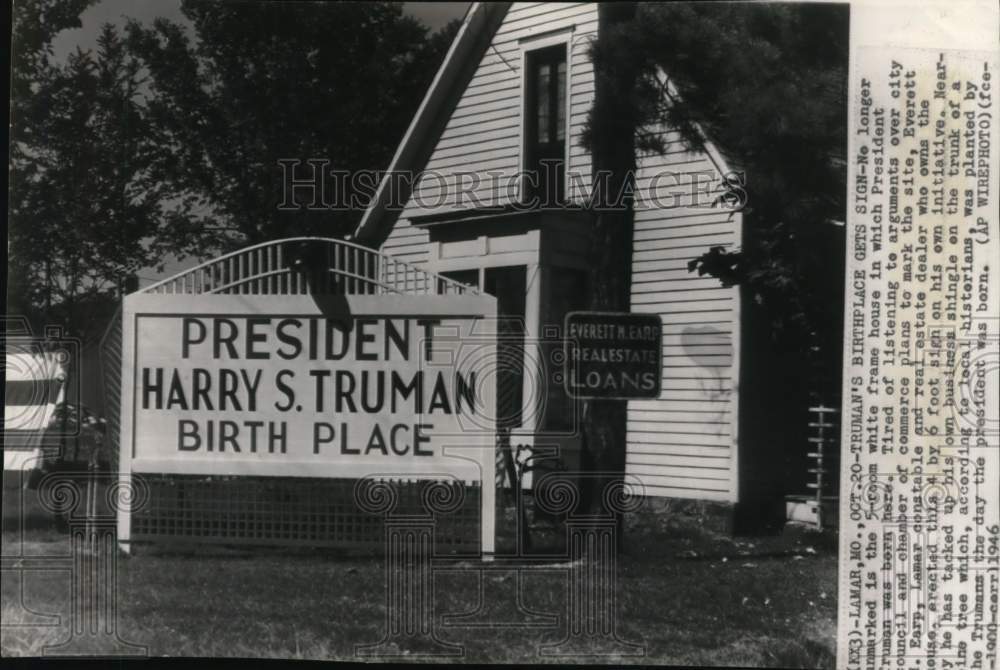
{"x": 156, "y": 145}
{"x": 35, "y": 24}
{"x": 85, "y": 208}
{"x": 269, "y": 81}
{"x": 767, "y": 83}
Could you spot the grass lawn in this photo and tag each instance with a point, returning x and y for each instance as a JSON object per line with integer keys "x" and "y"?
{"x": 686, "y": 595}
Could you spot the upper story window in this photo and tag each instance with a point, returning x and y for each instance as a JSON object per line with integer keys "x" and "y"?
{"x": 545, "y": 127}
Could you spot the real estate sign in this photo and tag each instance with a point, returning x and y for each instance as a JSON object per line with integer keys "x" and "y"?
{"x": 613, "y": 355}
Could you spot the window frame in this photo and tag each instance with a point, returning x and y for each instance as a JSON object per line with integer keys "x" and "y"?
{"x": 528, "y": 45}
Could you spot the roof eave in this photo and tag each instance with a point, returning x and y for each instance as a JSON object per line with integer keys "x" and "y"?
{"x": 480, "y": 23}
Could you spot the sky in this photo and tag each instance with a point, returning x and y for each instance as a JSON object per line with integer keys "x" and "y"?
{"x": 433, "y": 14}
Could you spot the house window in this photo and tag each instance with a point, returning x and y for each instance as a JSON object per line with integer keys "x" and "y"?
{"x": 508, "y": 284}
{"x": 545, "y": 128}
{"x": 567, "y": 291}
{"x": 467, "y": 277}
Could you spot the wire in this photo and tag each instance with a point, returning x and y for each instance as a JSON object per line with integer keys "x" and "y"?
{"x": 505, "y": 62}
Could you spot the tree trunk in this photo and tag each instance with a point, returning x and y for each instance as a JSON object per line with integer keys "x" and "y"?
{"x": 613, "y": 140}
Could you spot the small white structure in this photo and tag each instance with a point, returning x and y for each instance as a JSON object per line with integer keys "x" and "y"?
{"x": 34, "y": 386}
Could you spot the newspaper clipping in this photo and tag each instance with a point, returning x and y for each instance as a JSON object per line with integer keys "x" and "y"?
{"x": 600, "y": 333}
{"x": 919, "y": 535}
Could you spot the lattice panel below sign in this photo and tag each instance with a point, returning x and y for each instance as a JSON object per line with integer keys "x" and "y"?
{"x": 315, "y": 512}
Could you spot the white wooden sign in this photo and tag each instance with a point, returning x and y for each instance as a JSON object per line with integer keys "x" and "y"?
{"x": 310, "y": 386}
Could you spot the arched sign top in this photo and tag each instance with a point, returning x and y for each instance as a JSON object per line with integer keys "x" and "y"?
{"x": 303, "y": 265}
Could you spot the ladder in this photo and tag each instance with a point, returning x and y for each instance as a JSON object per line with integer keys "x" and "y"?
{"x": 823, "y": 457}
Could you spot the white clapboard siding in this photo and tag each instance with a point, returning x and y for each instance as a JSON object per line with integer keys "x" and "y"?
{"x": 484, "y": 132}
{"x": 682, "y": 444}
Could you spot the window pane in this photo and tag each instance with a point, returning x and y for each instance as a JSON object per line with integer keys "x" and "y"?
{"x": 546, "y": 131}
{"x": 567, "y": 292}
{"x": 469, "y": 277}
{"x": 509, "y": 286}
{"x": 561, "y": 102}
{"x": 544, "y": 74}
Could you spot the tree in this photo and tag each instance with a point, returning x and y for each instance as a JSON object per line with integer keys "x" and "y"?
{"x": 611, "y": 136}
{"x": 85, "y": 209}
{"x": 156, "y": 146}
{"x": 767, "y": 83}
{"x": 35, "y": 23}
{"x": 268, "y": 82}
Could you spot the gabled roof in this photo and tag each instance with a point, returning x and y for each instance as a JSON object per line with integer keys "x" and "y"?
{"x": 721, "y": 160}
{"x": 460, "y": 63}
{"x": 481, "y": 22}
